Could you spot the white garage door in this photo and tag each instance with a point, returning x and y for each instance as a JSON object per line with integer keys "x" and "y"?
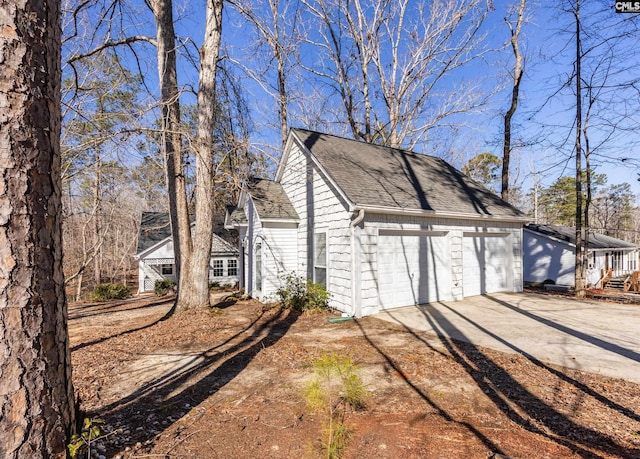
{"x": 486, "y": 261}
{"x": 413, "y": 268}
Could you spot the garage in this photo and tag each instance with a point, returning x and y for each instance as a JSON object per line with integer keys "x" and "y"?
{"x": 413, "y": 268}
{"x": 486, "y": 262}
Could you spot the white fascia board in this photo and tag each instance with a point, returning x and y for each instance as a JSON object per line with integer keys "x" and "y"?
{"x": 433, "y": 213}
{"x": 285, "y": 156}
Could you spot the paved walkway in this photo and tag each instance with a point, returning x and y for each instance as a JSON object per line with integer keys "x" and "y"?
{"x": 596, "y": 337}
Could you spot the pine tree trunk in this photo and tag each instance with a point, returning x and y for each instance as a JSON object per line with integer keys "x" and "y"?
{"x": 36, "y": 394}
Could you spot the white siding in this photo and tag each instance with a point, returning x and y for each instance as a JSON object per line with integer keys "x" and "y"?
{"x": 319, "y": 208}
{"x": 548, "y": 258}
{"x": 148, "y": 274}
{"x": 279, "y": 256}
{"x": 149, "y": 267}
{"x": 545, "y": 258}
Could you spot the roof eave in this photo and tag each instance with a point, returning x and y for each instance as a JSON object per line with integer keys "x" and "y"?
{"x": 434, "y": 213}
{"x": 285, "y": 155}
{"x": 280, "y": 220}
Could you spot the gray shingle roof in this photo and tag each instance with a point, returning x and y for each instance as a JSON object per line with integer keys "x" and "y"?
{"x": 270, "y": 200}
{"x": 236, "y": 216}
{"x": 568, "y": 234}
{"x": 154, "y": 227}
{"x": 377, "y": 176}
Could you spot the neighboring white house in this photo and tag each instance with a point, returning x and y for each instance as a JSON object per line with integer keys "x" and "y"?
{"x": 549, "y": 254}
{"x": 380, "y": 227}
{"x": 156, "y": 258}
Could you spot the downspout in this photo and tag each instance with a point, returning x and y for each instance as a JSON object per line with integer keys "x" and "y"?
{"x": 356, "y": 269}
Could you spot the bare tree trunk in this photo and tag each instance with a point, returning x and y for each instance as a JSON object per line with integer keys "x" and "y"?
{"x": 97, "y": 206}
{"x": 518, "y": 70}
{"x": 172, "y": 138}
{"x": 579, "y": 264}
{"x": 36, "y": 392}
{"x": 278, "y": 52}
{"x": 198, "y": 293}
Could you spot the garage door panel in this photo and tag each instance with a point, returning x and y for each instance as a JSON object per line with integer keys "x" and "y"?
{"x": 413, "y": 269}
{"x": 485, "y": 264}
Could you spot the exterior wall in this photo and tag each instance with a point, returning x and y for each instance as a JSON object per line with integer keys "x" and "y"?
{"x": 225, "y": 277}
{"x": 320, "y": 209}
{"x": 149, "y": 267}
{"x": 455, "y": 230}
{"x": 545, "y": 258}
{"x": 242, "y": 259}
{"x": 279, "y": 256}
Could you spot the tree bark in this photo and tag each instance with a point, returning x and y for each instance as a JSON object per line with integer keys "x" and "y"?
{"x": 172, "y": 139}
{"x": 36, "y": 393}
{"x": 517, "y": 78}
{"x": 197, "y": 295}
{"x": 579, "y": 256}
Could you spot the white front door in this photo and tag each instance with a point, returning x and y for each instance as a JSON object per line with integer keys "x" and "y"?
{"x": 413, "y": 268}
{"x": 486, "y": 261}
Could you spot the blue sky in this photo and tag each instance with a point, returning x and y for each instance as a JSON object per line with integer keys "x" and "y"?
{"x": 541, "y": 120}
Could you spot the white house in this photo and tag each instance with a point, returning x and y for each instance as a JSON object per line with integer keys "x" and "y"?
{"x": 156, "y": 258}
{"x": 379, "y": 227}
{"x": 549, "y": 255}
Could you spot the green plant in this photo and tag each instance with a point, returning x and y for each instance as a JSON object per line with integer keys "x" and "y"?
{"x": 317, "y": 296}
{"x": 214, "y": 285}
{"x": 92, "y": 430}
{"x": 162, "y": 287}
{"x": 103, "y": 292}
{"x": 302, "y": 295}
{"x": 335, "y": 387}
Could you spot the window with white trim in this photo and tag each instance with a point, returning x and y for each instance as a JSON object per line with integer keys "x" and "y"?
{"x": 232, "y": 267}
{"x": 166, "y": 269}
{"x": 218, "y": 268}
{"x": 320, "y": 258}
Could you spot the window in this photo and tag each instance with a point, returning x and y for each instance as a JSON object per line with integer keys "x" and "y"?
{"x": 258, "y": 267}
{"x": 218, "y": 268}
{"x": 166, "y": 270}
{"x": 320, "y": 258}
{"x": 232, "y": 267}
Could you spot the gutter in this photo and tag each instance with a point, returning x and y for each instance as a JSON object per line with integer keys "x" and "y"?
{"x": 433, "y": 213}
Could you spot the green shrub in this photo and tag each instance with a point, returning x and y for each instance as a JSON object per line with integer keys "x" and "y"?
{"x": 103, "y": 292}
{"x": 317, "y": 296}
{"x": 214, "y": 285}
{"x": 162, "y": 287}
{"x": 302, "y": 295}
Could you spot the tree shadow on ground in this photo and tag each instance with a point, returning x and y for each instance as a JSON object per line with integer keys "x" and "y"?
{"x": 601, "y": 343}
{"x": 555, "y": 372}
{"x": 201, "y": 375}
{"x": 167, "y": 315}
{"x": 79, "y": 311}
{"x": 495, "y": 448}
{"x": 516, "y": 402}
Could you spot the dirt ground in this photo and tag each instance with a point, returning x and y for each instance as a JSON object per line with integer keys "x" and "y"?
{"x": 229, "y": 383}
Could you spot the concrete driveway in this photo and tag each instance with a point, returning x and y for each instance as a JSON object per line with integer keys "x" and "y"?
{"x": 601, "y": 338}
